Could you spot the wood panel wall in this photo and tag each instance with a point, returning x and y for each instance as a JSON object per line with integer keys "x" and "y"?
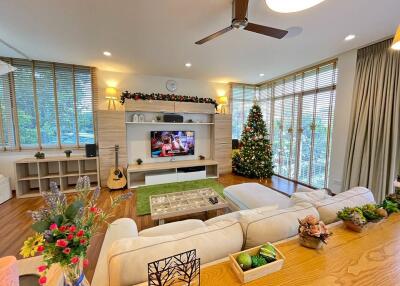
{"x": 223, "y": 142}
{"x": 111, "y": 130}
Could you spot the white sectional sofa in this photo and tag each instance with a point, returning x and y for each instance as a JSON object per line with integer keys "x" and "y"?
{"x": 125, "y": 253}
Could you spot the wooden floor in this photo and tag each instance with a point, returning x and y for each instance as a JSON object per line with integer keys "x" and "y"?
{"x": 15, "y": 221}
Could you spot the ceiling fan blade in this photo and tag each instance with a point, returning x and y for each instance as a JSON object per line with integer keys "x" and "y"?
{"x": 240, "y": 9}
{"x": 265, "y": 30}
{"x": 217, "y": 34}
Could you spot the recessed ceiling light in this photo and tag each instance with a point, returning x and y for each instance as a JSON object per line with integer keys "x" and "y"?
{"x": 349, "y": 37}
{"x": 107, "y": 54}
{"x": 188, "y": 65}
{"x": 289, "y": 6}
{"x": 261, "y": 74}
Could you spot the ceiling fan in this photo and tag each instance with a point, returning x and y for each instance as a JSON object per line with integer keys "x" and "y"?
{"x": 240, "y": 21}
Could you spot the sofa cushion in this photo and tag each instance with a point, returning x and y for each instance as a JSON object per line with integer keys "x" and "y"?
{"x": 128, "y": 258}
{"x": 260, "y": 227}
{"x": 309, "y": 196}
{"x": 328, "y": 208}
{"x": 236, "y": 215}
{"x": 173, "y": 228}
{"x": 254, "y": 195}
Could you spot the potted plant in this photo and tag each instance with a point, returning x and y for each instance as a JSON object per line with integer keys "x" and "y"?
{"x": 158, "y": 117}
{"x": 139, "y": 161}
{"x": 353, "y": 218}
{"x": 68, "y": 153}
{"x": 39, "y": 155}
{"x": 312, "y": 232}
{"x": 63, "y": 230}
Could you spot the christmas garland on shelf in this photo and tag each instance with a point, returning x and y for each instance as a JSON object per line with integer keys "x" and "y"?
{"x": 166, "y": 97}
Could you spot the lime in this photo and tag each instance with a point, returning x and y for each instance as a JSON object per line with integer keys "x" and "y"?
{"x": 244, "y": 261}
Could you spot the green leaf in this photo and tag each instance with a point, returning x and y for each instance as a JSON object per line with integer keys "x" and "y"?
{"x": 73, "y": 209}
{"x": 41, "y": 226}
{"x": 58, "y": 219}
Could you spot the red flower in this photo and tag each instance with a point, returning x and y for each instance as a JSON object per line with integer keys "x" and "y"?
{"x": 75, "y": 260}
{"x": 61, "y": 243}
{"x": 53, "y": 226}
{"x": 70, "y": 236}
{"x": 67, "y": 250}
{"x": 93, "y": 209}
{"x": 85, "y": 262}
{"x": 63, "y": 228}
{"x": 80, "y": 233}
{"x": 72, "y": 228}
{"x": 82, "y": 241}
{"x": 40, "y": 248}
{"x": 42, "y": 268}
{"x": 42, "y": 280}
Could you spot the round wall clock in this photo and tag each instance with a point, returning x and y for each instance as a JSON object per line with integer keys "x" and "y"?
{"x": 171, "y": 85}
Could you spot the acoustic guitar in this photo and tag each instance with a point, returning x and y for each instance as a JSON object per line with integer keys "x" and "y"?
{"x": 116, "y": 179}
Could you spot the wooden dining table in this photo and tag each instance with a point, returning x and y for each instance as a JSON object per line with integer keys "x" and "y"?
{"x": 371, "y": 257}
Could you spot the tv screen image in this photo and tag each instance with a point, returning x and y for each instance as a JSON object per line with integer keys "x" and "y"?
{"x": 172, "y": 143}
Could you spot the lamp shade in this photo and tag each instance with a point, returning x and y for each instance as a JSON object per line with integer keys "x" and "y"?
{"x": 396, "y": 41}
{"x": 8, "y": 271}
{"x": 289, "y": 6}
{"x": 6, "y": 68}
{"x": 222, "y": 100}
{"x": 111, "y": 91}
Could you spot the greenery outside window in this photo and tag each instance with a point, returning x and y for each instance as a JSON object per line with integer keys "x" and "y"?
{"x": 46, "y": 105}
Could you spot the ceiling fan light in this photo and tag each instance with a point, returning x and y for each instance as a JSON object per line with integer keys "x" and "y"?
{"x": 290, "y": 6}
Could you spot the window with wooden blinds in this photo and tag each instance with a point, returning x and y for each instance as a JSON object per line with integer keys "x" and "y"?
{"x": 46, "y": 105}
{"x": 300, "y": 109}
{"x": 242, "y": 99}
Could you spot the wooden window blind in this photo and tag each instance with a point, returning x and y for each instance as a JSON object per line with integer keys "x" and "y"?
{"x": 243, "y": 97}
{"x": 300, "y": 108}
{"x": 46, "y": 105}
{"x": 7, "y": 138}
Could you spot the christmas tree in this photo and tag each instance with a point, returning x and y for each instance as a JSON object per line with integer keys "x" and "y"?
{"x": 254, "y": 159}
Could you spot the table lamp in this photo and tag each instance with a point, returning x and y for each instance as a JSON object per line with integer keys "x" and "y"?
{"x": 396, "y": 41}
{"x": 223, "y": 101}
{"x": 111, "y": 93}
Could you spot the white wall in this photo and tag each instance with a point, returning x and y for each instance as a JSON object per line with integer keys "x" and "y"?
{"x": 341, "y": 122}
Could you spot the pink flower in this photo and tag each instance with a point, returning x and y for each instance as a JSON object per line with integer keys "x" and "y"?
{"x": 42, "y": 280}
{"x": 61, "y": 243}
{"x": 85, "y": 262}
{"x": 82, "y": 241}
{"x": 70, "y": 236}
{"x": 75, "y": 260}
{"x": 42, "y": 268}
{"x": 63, "y": 228}
{"x": 53, "y": 226}
{"x": 80, "y": 233}
{"x": 72, "y": 228}
{"x": 310, "y": 219}
{"x": 67, "y": 250}
{"x": 315, "y": 230}
{"x": 40, "y": 248}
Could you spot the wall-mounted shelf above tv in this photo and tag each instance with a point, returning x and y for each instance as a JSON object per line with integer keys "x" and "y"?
{"x": 169, "y": 123}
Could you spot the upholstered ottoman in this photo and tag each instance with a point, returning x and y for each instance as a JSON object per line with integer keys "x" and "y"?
{"x": 253, "y": 195}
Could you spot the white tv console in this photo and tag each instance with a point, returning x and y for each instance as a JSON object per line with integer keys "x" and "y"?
{"x": 170, "y": 172}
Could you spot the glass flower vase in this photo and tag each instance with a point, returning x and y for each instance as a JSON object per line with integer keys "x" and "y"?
{"x": 74, "y": 276}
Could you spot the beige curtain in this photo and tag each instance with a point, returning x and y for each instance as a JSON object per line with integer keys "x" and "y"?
{"x": 373, "y": 148}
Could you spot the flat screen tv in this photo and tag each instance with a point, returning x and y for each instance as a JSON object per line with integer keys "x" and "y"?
{"x": 172, "y": 143}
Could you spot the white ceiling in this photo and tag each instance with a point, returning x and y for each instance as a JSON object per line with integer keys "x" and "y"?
{"x": 156, "y": 37}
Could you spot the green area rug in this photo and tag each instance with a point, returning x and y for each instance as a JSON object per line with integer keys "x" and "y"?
{"x": 143, "y": 193}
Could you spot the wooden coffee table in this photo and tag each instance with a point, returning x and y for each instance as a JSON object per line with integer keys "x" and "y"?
{"x": 368, "y": 258}
{"x": 184, "y": 203}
